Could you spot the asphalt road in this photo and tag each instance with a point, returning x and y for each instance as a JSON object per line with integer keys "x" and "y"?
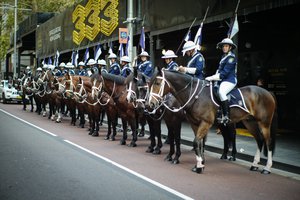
{"x": 36, "y": 165}
{"x": 41, "y": 159}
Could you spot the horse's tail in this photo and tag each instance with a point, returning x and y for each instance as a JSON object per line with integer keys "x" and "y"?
{"x": 273, "y": 130}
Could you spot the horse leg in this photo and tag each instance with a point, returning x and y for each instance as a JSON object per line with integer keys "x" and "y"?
{"x": 24, "y": 100}
{"x": 157, "y": 132}
{"x": 177, "y": 134}
{"x": 96, "y": 121}
{"x": 31, "y": 103}
{"x": 44, "y": 110}
{"x": 150, "y": 148}
{"x": 133, "y": 125}
{"x": 225, "y": 135}
{"x": 232, "y": 135}
{"x": 124, "y": 125}
{"x": 109, "y": 122}
{"x": 102, "y": 116}
{"x": 142, "y": 122}
{"x": 199, "y": 141}
{"x": 253, "y": 128}
{"x": 114, "y": 122}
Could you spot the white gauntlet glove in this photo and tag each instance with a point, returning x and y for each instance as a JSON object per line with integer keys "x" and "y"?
{"x": 215, "y": 77}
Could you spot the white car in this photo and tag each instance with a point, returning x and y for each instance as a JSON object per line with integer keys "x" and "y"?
{"x": 9, "y": 93}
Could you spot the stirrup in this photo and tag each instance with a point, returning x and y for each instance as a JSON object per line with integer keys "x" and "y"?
{"x": 226, "y": 120}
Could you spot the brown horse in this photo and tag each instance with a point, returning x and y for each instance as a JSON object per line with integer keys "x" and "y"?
{"x": 115, "y": 86}
{"x": 195, "y": 98}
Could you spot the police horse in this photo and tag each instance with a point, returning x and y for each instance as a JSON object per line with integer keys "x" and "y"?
{"x": 197, "y": 99}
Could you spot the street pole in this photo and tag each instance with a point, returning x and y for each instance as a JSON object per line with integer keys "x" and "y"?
{"x": 15, "y": 41}
{"x": 130, "y": 27}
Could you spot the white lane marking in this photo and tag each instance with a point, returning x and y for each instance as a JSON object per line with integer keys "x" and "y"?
{"x": 132, "y": 172}
{"x": 107, "y": 160}
{"x": 22, "y": 120}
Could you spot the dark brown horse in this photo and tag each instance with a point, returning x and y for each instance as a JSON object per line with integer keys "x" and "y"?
{"x": 194, "y": 96}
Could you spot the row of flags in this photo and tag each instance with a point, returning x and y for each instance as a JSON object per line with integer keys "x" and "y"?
{"x": 233, "y": 30}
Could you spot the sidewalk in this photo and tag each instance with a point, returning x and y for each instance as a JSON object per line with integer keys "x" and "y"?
{"x": 287, "y": 150}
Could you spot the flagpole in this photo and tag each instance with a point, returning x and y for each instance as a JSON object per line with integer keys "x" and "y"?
{"x": 186, "y": 34}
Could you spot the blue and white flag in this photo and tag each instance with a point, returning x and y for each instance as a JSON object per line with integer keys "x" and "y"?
{"x": 49, "y": 61}
{"x": 127, "y": 46}
{"x": 74, "y": 58}
{"x": 110, "y": 51}
{"x": 234, "y": 27}
{"x": 198, "y": 37}
{"x": 142, "y": 40}
{"x": 187, "y": 36}
{"x": 121, "y": 51}
{"x": 98, "y": 52}
{"x": 56, "y": 59}
{"x": 86, "y": 55}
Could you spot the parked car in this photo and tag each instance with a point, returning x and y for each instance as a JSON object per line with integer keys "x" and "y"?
{"x": 8, "y": 93}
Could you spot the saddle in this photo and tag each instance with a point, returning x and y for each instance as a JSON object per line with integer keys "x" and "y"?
{"x": 235, "y": 98}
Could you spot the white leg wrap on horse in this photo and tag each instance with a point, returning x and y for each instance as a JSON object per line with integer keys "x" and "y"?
{"x": 199, "y": 162}
{"x": 52, "y": 117}
{"x": 256, "y": 158}
{"x": 269, "y": 161}
{"x": 44, "y": 114}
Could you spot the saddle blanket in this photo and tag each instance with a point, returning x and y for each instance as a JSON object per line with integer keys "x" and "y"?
{"x": 235, "y": 98}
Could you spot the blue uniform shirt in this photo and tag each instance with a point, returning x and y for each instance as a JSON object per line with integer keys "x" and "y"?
{"x": 172, "y": 65}
{"x": 126, "y": 70}
{"x": 197, "y": 61}
{"x": 115, "y": 69}
{"x": 82, "y": 72}
{"x": 146, "y": 68}
{"x": 227, "y": 68}
{"x": 58, "y": 73}
{"x": 71, "y": 72}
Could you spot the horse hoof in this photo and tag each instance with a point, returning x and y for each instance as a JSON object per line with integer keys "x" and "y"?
{"x": 149, "y": 150}
{"x": 231, "y": 158}
{"x": 223, "y": 157}
{"x": 253, "y": 168}
{"x": 122, "y": 142}
{"x": 106, "y": 137}
{"x": 90, "y": 133}
{"x": 112, "y": 139}
{"x": 264, "y": 171}
{"x": 175, "y": 162}
{"x": 168, "y": 158}
{"x": 198, "y": 170}
{"x": 132, "y": 144}
{"x": 156, "y": 152}
{"x": 31, "y": 110}
{"x": 95, "y": 134}
{"x": 141, "y": 134}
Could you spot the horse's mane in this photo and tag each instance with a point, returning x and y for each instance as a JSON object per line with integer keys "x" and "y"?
{"x": 120, "y": 80}
{"x": 96, "y": 76}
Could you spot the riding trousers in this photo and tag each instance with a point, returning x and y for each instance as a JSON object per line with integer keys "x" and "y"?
{"x": 224, "y": 89}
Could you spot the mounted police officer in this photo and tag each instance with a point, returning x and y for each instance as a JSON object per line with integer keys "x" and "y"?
{"x": 62, "y": 70}
{"x": 114, "y": 66}
{"x": 38, "y": 72}
{"x": 92, "y": 64}
{"x": 81, "y": 71}
{"x": 225, "y": 76}
{"x": 196, "y": 64}
{"x": 102, "y": 66}
{"x": 145, "y": 66}
{"x": 169, "y": 57}
{"x": 70, "y": 68}
{"x": 126, "y": 70}
{"x": 28, "y": 71}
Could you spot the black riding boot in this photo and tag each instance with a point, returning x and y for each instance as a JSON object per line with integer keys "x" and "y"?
{"x": 225, "y": 109}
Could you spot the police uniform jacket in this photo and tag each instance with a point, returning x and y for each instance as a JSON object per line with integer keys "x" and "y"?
{"x": 146, "y": 68}
{"x": 197, "y": 61}
{"x": 227, "y": 68}
{"x": 172, "y": 65}
{"x": 58, "y": 73}
{"x": 82, "y": 72}
{"x": 115, "y": 69}
{"x": 126, "y": 70}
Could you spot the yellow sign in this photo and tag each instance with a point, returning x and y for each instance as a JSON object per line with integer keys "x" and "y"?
{"x": 87, "y": 22}
{"x": 123, "y": 35}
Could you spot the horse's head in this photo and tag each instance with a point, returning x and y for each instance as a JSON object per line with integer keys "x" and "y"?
{"x": 159, "y": 87}
{"x": 70, "y": 86}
